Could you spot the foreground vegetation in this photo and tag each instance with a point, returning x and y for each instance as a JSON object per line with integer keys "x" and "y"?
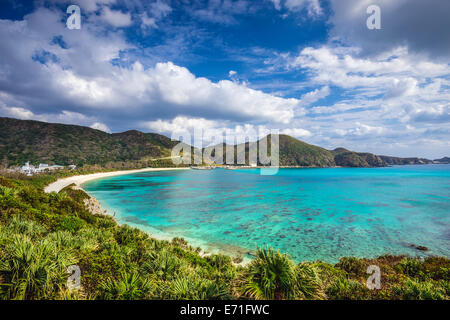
{"x": 43, "y": 234}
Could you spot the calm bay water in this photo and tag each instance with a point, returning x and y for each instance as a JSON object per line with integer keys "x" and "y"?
{"x": 309, "y": 213}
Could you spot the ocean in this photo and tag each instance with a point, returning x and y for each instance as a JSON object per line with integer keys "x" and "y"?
{"x": 311, "y": 214}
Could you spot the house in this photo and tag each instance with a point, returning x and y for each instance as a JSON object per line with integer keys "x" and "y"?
{"x": 28, "y": 169}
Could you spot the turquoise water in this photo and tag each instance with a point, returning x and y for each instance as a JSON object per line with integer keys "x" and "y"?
{"x": 309, "y": 213}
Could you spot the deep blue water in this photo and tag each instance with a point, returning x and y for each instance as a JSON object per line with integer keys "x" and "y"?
{"x": 309, "y": 213}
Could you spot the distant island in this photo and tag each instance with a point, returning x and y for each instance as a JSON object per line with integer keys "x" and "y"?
{"x": 444, "y": 160}
{"x": 40, "y": 142}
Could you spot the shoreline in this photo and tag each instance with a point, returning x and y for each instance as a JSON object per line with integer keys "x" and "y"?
{"x": 95, "y": 207}
{"x": 60, "y": 184}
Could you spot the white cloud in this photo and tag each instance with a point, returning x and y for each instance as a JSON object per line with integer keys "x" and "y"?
{"x": 100, "y": 126}
{"x": 157, "y": 11}
{"x": 361, "y": 130}
{"x": 313, "y": 96}
{"x": 87, "y": 5}
{"x": 17, "y": 112}
{"x": 148, "y": 22}
{"x": 82, "y": 77}
{"x": 312, "y": 7}
{"x": 160, "y": 9}
{"x": 337, "y": 66}
{"x": 221, "y": 12}
{"x": 116, "y": 18}
{"x": 203, "y": 132}
{"x": 181, "y": 124}
{"x": 67, "y": 117}
{"x": 296, "y": 132}
{"x": 175, "y": 87}
{"x": 276, "y": 4}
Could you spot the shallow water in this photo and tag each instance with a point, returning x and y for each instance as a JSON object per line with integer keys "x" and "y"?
{"x": 309, "y": 213}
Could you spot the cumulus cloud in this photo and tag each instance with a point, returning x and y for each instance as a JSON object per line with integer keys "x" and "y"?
{"x": 337, "y": 65}
{"x": 82, "y": 77}
{"x": 381, "y": 82}
{"x": 174, "y": 87}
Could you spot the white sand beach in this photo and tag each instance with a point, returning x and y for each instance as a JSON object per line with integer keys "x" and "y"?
{"x": 94, "y": 206}
{"x": 79, "y": 180}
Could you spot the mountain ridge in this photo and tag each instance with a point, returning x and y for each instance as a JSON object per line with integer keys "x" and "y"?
{"x": 36, "y": 141}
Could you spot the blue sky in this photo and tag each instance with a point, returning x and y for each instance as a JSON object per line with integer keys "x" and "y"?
{"x": 308, "y": 68}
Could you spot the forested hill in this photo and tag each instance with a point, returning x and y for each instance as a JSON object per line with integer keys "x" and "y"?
{"x": 295, "y": 153}
{"x": 34, "y": 141}
{"x": 41, "y": 142}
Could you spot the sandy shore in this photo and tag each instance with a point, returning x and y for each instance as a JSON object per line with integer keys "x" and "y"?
{"x": 94, "y": 206}
{"x": 79, "y": 180}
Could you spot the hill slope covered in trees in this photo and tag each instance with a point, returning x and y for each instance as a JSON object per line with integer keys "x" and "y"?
{"x": 35, "y": 141}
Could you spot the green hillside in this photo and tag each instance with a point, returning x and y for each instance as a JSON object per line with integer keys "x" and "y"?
{"x": 40, "y": 142}
{"x": 294, "y": 152}
{"x": 403, "y": 161}
{"x": 347, "y": 158}
{"x": 24, "y": 140}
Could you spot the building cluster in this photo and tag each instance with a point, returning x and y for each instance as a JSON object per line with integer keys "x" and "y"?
{"x": 29, "y": 169}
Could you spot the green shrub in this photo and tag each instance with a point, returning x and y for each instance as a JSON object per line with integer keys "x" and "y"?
{"x": 347, "y": 289}
{"x": 126, "y": 287}
{"x": 164, "y": 264}
{"x": 32, "y": 270}
{"x": 191, "y": 288}
{"x": 352, "y": 265}
{"x": 411, "y": 267}
{"x": 71, "y": 223}
{"x": 273, "y": 275}
{"x": 413, "y": 290}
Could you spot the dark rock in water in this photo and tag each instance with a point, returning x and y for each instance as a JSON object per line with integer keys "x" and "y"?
{"x": 282, "y": 236}
{"x": 421, "y": 248}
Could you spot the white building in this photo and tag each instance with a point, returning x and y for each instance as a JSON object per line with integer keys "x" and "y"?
{"x": 28, "y": 169}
